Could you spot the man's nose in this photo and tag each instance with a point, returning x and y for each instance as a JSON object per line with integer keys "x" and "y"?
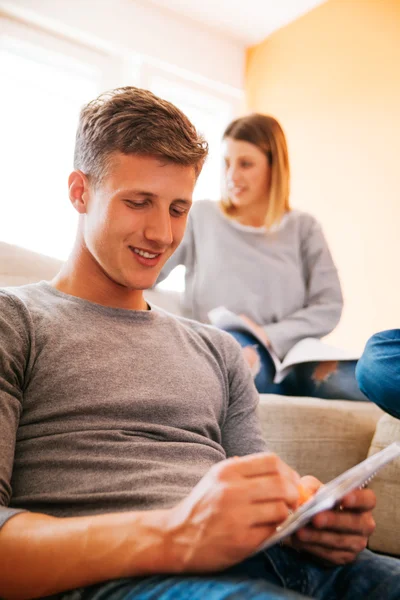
{"x": 159, "y": 229}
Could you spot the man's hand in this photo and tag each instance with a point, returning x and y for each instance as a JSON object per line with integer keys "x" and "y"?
{"x": 337, "y": 536}
{"x": 231, "y": 511}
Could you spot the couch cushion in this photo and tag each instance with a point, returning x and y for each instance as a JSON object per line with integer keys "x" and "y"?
{"x": 318, "y": 437}
{"x": 386, "y": 485}
{"x": 19, "y": 266}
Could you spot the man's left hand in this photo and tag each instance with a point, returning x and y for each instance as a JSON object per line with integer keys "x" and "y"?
{"x": 337, "y": 536}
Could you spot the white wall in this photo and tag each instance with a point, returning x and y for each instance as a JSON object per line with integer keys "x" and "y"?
{"x": 137, "y": 26}
{"x": 45, "y": 45}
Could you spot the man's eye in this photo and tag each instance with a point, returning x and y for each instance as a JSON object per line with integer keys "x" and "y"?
{"x": 133, "y": 204}
{"x": 178, "y": 212}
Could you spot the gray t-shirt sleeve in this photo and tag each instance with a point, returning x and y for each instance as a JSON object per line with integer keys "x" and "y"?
{"x": 14, "y": 356}
{"x": 183, "y": 255}
{"x": 324, "y": 300}
{"x": 241, "y": 431}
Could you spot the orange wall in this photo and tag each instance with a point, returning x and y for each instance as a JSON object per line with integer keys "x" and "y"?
{"x": 332, "y": 78}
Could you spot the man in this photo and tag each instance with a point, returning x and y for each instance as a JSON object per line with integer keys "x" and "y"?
{"x": 132, "y": 463}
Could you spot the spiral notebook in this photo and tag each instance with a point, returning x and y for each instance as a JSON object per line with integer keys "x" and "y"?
{"x": 331, "y": 493}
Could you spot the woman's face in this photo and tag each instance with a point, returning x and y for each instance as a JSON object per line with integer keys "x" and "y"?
{"x": 247, "y": 173}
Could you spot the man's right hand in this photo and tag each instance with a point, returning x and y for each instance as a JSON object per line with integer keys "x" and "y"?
{"x": 232, "y": 510}
{"x": 229, "y": 513}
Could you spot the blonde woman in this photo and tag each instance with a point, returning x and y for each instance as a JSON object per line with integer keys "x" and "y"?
{"x": 254, "y": 255}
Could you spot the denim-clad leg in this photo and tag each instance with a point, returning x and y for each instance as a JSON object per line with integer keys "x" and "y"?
{"x": 378, "y": 371}
{"x": 247, "y": 581}
{"x": 265, "y": 376}
{"x": 334, "y": 380}
{"x": 331, "y": 381}
{"x": 277, "y": 574}
{"x": 370, "y": 577}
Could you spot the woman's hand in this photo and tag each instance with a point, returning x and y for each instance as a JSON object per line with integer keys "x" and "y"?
{"x": 257, "y": 328}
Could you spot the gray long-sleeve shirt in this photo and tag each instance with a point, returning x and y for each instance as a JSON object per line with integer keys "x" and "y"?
{"x": 105, "y": 409}
{"x": 283, "y": 279}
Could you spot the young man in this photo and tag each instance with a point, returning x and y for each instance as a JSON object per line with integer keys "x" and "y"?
{"x": 132, "y": 463}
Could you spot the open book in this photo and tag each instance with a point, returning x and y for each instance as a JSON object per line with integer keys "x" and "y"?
{"x": 307, "y": 350}
{"x": 331, "y": 493}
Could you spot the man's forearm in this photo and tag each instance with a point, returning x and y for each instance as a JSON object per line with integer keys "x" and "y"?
{"x": 41, "y": 555}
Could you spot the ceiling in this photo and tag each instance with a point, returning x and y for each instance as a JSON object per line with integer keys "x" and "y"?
{"x": 247, "y": 21}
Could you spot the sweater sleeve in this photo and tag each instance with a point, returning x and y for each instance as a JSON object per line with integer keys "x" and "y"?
{"x": 324, "y": 301}
{"x": 241, "y": 431}
{"x": 183, "y": 255}
{"x": 14, "y": 356}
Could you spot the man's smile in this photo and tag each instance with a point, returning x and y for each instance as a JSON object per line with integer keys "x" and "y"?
{"x": 146, "y": 257}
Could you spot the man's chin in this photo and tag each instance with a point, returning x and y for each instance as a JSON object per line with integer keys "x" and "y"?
{"x": 140, "y": 285}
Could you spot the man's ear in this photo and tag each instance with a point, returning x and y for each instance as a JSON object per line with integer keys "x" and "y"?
{"x": 78, "y": 187}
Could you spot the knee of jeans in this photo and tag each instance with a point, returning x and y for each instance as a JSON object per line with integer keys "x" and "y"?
{"x": 252, "y": 358}
{"x": 379, "y": 382}
{"x": 362, "y": 375}
{"x": 387, "y": 335}
{"x": 382, "y": 348}
{"x": 324, "y": 370}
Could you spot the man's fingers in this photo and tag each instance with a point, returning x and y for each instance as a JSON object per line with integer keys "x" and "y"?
{"x": 269, "y": 513}
{"x": 345, "y": 522}
{"x": 276, "y": 487}
{"x": 331, "y": 540}
{"x": 327, "y": 557}
{"x": 255, "y": 465}
{"x": 360, "y": 500}
{"x": 312, "y": 484}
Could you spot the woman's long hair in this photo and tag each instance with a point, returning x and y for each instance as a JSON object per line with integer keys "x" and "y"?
{"x": 266, "y": 133}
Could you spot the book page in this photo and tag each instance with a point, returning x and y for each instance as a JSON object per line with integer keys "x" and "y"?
{"x": 312, "y": 350}
{"x": 307, "y": 350}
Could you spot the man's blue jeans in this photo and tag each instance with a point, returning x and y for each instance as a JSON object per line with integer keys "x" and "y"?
{"x": 378, "y": 371}
{"x": 277, "y": 574}
{"x": 306, "y": 379}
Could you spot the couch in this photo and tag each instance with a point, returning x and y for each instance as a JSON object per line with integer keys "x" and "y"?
{"x": 319, "y": 437}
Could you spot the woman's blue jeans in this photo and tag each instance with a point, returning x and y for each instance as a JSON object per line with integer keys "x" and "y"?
{"x": 336, "y": 381}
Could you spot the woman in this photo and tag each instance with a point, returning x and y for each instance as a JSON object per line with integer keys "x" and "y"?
{"x": 254, "y": 255}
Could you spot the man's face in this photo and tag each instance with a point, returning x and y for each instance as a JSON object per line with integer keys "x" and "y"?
{"x": 136, "y": 217}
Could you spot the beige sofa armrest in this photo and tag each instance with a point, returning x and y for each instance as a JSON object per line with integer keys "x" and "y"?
{"x": 386, "y": 485}
{"x": 318, "y": 437}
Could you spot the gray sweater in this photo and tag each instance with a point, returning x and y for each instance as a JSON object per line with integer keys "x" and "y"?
{"x": 283, "y": 279}
{"x": 106, "y": 409}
